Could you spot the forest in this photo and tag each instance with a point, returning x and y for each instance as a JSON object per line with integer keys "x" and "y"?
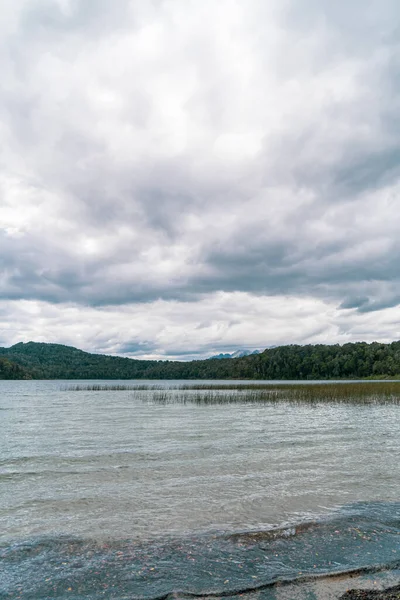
{"x": 12, "y": 370}
{"x": 360, "y": 360}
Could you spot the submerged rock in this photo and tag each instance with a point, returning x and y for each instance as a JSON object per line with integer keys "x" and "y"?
{"x": 392, "y": 593}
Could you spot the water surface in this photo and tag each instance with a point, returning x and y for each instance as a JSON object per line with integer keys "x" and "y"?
{"x": 106, "y": 491}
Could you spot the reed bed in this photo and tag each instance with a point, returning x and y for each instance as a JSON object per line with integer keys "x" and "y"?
{"x": 208, "y": 397}
{"x": 362, "y": 393}
{"x": 107, "y": 387}
{"x": 366, "y": 392}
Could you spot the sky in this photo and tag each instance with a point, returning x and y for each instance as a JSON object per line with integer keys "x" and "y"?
{"x": 180, "y": 178}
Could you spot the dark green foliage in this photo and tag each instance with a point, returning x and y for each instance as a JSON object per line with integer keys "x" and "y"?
{"x": 350, "y": 361}
{"x": 11, "y": 370}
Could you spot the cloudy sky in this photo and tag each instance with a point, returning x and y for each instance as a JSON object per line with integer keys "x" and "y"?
{"x": 180, "y": 178}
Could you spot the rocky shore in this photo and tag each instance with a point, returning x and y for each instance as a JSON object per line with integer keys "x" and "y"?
{"x": 392, "y": 593}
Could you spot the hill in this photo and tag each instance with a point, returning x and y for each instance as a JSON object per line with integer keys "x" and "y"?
{"x": 350, "y": 361}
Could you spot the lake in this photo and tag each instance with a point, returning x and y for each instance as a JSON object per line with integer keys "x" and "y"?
{"x": 107, "y": 494}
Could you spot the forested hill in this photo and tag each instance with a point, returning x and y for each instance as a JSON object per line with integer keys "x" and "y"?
{"x": 353, "y": 361}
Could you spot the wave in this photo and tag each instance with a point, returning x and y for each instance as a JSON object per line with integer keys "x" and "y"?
{"x": 360, "y": 540}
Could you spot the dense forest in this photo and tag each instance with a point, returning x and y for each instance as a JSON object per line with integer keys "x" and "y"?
{"x": 11, "y": 370}
{"x": 351, "y": 361}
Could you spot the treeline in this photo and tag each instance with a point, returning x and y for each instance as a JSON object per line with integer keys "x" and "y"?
{"x": 12, "y": 370}
{"x": 350, "y": 361}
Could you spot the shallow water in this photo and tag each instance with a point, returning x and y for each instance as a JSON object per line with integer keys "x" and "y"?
{"x": 108, "y": 495}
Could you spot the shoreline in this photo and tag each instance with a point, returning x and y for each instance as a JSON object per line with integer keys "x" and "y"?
{"x": 392, "y": 593}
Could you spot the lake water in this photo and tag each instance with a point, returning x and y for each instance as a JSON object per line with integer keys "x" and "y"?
{"x": 104, "y": 494}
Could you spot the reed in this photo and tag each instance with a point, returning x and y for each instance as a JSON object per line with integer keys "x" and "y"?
{"x": 107, "y": 387}
{"x": 365, "y": 392}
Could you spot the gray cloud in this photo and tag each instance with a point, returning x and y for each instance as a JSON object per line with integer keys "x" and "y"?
{"x": 174, "y": 151}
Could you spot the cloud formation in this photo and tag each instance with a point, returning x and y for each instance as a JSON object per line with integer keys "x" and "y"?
{"x": 158, "y": 157}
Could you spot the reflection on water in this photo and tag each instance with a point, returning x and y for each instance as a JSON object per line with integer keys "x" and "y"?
{"x": 97, "y": 483}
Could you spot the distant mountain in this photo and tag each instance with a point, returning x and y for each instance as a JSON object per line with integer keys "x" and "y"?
{"x": 237, "y": 354}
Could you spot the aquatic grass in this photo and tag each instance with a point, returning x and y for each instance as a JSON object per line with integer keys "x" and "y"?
{"x": 365, "y": 392}
{"x": 106, "y": 387}
{"x": 210, "y": 397}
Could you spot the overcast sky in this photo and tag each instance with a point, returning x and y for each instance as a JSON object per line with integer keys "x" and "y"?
{"x": 180, "y": 178}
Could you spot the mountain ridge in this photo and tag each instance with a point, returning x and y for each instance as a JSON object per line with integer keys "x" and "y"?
{"x": 236, "y": 354}
{"x": 39, "y": 360}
